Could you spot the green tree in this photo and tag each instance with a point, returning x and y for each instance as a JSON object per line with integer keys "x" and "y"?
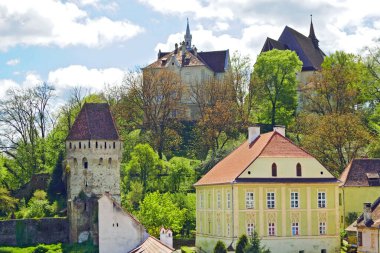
{"x": 275, "y": 85}
{"x": 134, "y": 196}
{"x": 187, "y": 202}
{"x": 181, "y": 174}
{"x": 254, "y": 245}
{"x": 220, "y": 247}
{"x": 38, "y": 206}
{"x": 158, "y": 210}
{"x": 241, "y": 244}
{"x": 7, "y": 203}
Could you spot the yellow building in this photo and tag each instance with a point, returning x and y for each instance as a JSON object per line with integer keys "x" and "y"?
{"x": 270, "y": 185}
{"x": 360, "y": 182}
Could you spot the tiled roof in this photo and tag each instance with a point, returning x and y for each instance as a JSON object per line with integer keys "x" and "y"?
{"x": 270, "y": 144}
{"x": 215, "y": 60}
{"x": 310, "y": 55}
{"x": 375, "y": 209}
{"x": 355, "y": 174}
{"x": 94, "y": 121}
{"x": 152, "y": 245}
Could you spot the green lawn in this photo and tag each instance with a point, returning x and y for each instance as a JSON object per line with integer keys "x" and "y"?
{"x": 52, "y": 248}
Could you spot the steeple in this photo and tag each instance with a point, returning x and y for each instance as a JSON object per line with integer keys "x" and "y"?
{"x": 188, "y": 36}
{"x": 312, "y": 34}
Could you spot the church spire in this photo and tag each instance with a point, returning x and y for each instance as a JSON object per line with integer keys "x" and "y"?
{"x": 312, "y": 33}
{"x": 188, "y": 36}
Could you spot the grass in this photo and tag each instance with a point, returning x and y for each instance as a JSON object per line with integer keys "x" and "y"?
{"x": 52, "y": 248}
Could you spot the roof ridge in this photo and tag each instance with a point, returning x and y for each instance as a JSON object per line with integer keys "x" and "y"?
{"x": 348, "y": 168}
{"x": 113, "y": 121}
{"x": 88, "y": 124}
{"x": 161, "y": 242}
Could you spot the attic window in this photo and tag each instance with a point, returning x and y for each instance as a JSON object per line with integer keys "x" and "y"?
{"x": 299, "y": 170}
{"x": 373, "y": 179}
{"x": 274, "y": 170}
{"x": 164, "y": 61}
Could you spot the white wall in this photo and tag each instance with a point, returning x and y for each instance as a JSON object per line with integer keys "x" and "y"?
{"x": 118, "y": 231}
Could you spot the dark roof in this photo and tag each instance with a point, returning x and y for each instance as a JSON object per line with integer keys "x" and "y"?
{"x": 94, "y": 121}
{"x": 358, "y": 172}
{"x": 306, "y": 48}
{"x": 216, "y": 60}
{"x": 375, "y": 219}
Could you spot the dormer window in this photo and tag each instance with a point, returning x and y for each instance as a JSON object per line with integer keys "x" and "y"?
{"x": 299, "y": 170}
{"x": 274, "y": 170}
{"x": 373, "y": 179}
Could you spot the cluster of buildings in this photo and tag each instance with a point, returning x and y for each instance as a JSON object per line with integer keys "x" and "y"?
{"x": 268, "y": 184}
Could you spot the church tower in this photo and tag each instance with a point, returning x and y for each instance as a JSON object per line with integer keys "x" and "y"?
{"x": 188, "y": 36}
{"x": 312, "y": 33}
{"x": 93, "y": 156}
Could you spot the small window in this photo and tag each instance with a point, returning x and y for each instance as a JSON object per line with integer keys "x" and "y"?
{"x": 228, "y": 229}
{"x": 295, "y": 229}
{"x": 89, "y": 144}
{"x": 228, "y": 200}
{"x": 294, "y": 200}
{"x": 250, "y": 229}
{"x": 80, "y": 145}
{"x": 100, "y": 161}
{"x": 114, "y": 145}
{"x": 201, "y": 200}
{"x": 109, "y": 162}
{"x": 70, "y": 145}
{"x": 321, "y": 199}
{"x": 340, "y": 199}
{"x": 299, "y": 170}
{"x": 274, "y": 170}
{"x": 209, "y": 200}
{"x": 105, "y": 145}
{"x": 75, "y": 163}
{"x": 96, "y": 144}
{"x": 249, "y": 200}
{"x": 218, "y": 200}
{"x": 271, "y": 229}
{"x": 323, "y": 251}
{"x": 270, "y": 200}
{"x": 322, "y": 228}
{"x": 85, "y": 163}
{"x": 360, "y": 239}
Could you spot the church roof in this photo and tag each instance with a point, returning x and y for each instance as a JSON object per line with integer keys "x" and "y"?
{"x": 94, "y": 121}
{"x": 361, "y": 172}
{"x": 217, "y": 61}
{"x": 271, "y": 144}
{"x": 306, "y": 48}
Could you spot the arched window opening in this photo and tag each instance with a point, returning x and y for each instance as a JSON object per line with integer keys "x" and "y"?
{"x": 85, "y": 163}
{"x": 299, "y": 170}
{"x": 100, "y": 161}
{"x": 70, "y": 145}
{"x": 89, "y": 144}
{"x": 109, "y": 162}
{"x": 105, "y": 145}
{"x": 80, "y": 145}
{"x": 274, "y": 170}
{"x": 96, "y": 144}
{"x": 114, "y": 145}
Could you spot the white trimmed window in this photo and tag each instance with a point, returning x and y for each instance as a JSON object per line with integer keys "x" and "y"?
{"x": 271, "y": 229}
{"x": 250, "y": 229}
{"x": 201, "y": 200}
{"x": 294, "y": 200}
{"x": 295, "y": 229}
{"x": 322, "y": 228}
{"x": 218, "y": 200}
{"x": 321, "y": 199}
{"x": 228, "y": 229}
{"x": 249, "y": 200}
{"x": 270, "y": 200}
{"x": 228, "y": 200}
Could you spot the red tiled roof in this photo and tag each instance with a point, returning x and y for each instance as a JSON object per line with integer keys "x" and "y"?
{"x": 355, "y": 174}
{"x": 270, "y": 144}
{"x": 152, "y": 245}
{"x": 94, "y": 121}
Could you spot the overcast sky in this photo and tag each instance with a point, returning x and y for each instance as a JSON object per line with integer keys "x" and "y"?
{"x": 91, "y": 43}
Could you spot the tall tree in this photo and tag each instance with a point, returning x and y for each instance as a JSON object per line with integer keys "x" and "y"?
{"x": 275, "y": 85}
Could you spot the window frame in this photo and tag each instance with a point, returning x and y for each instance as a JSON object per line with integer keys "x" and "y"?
{"x": 250, "y": 200}
{"x": 218, "y": 200}
{"x": 295, "y": 227}
{"x": 250, "y": 229}
{"x": 271, "y": 200}
{"x": 271, "y": 229}
{"x": 294, "y": 199}
{"x": 274, "y": 170}
{"x": 299, "y": 170}
{"x": 322, "y": 228}
{"x": 321, "y": 199}
{"x": 228, "y": 200}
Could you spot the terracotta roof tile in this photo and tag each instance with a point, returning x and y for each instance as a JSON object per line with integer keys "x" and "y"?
{"x": 375, "y": 209}
{"x": 94, "y": 121}
{"x": 355, "y": 174}
{"x": 152, "y": 245}
{"x": 279, "y": 146}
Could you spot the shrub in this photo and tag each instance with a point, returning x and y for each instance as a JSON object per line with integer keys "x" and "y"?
{"x": 220, "y": 247}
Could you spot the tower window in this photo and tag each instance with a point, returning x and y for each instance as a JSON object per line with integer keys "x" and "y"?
{"x": 80, "y": 145}
{"x": 105, "y": 145}
{"x": 109, "y": 162}
{"x": 274, "y": 170}
{"x": 114, "y": 145}
{"x": 96, "y": 144}
{"x": 299, "y": 170}
{"x": 100, "y": 161}
{"x": 89, "y": 144}
{"x": 85, "y": 163}
{"x": 70, "y": 145}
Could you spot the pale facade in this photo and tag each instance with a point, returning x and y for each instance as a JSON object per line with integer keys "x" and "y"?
{"x": 284, "y": 194}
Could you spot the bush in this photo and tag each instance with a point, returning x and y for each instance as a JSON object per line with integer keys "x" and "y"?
{"x": 241, "y": 244}
{"x": 220, "y": 247}
{"x": 185, "y": 249}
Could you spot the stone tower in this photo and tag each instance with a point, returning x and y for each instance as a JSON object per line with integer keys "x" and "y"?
{"x": 93, "y": 155}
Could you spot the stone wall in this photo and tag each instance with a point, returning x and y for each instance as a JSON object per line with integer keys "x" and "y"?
{"x": 34, "y": 231}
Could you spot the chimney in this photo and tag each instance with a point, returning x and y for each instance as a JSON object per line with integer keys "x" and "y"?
{"x": 176, "y": 48}
{"x": 159, "y": 54}
{"x": 195, "y": 51}
{"x": 367, "y": 214}
{"x": 253, "y": 133}
{"x": 183, "y": 48}
{"x": 279, "y": 129}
